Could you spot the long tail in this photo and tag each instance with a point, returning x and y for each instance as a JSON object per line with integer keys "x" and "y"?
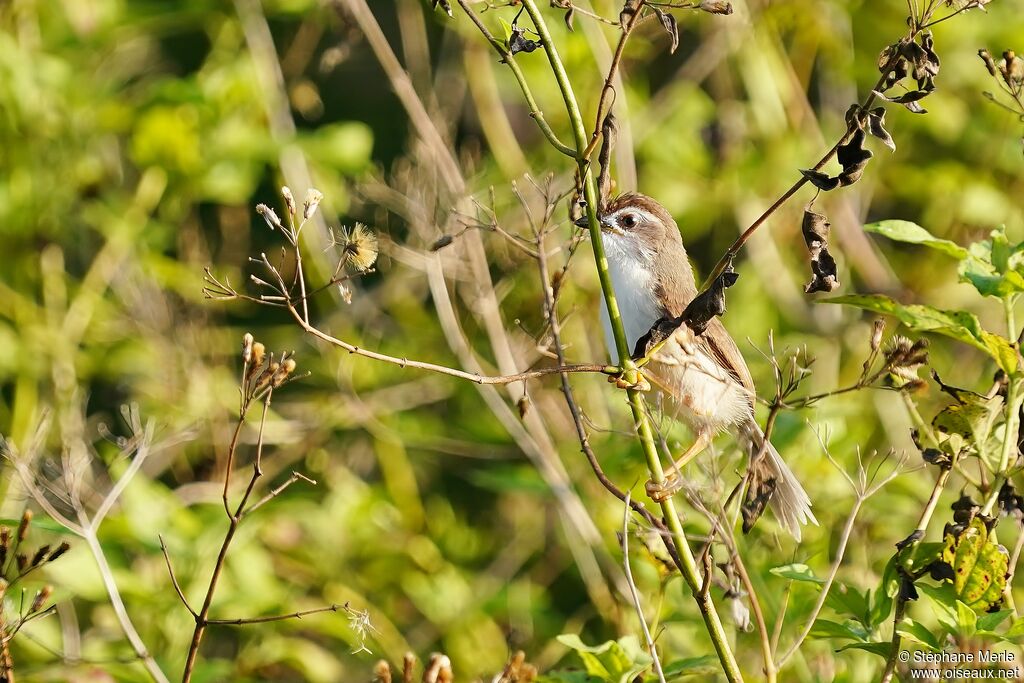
{"x": 789, "y": 502}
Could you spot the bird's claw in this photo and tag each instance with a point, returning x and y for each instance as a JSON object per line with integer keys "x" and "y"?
{"x": 665, "y": 490}
{"x": 630, "y": 379}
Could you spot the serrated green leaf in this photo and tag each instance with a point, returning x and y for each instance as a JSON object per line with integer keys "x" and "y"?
{"x": 705, "y": 665}
{"x": 979, "y": 567}
{"x": 797, "y": 572}
{"x": 912, "y": 233}
{"x": 960, "y": 325}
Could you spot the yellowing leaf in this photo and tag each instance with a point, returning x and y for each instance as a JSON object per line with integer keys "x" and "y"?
{"x": 979, "y": 566}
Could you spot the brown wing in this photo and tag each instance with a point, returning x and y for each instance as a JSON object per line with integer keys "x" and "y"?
{"x": 720, "y": 346}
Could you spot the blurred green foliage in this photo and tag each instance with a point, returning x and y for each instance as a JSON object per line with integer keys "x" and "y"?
{"x": 135, "y": 139}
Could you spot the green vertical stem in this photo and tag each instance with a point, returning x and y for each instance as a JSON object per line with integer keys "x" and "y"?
{"x": 643, "y": 427}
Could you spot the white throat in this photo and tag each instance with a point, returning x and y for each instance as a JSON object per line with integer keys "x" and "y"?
{"x": 633, "y": 282}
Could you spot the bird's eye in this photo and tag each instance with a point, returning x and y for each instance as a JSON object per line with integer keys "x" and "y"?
{"x": 629, "y": 221}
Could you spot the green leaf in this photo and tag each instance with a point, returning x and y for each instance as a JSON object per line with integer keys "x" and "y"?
{"x": 705, "y": 665}
{"x": 959, "y": 325}
{"x": 506, "y": 28}
{"x": 797, "y": 572}
{"x": 848, "y": 600}
{"x": 823, "y": 628}
{"x": 991, "y": 620}
{"x": 912, "y": 233}
{"x": 942, "y": 601}
{"x": 979, "y": 567}
{"x": 917, "y": 633}
{"x": 43, "y": 522}
{"x": 994, "y": 266}
{"x": 612, "y": 661}
{"x": 1016, "y": 630}
{"x": 881, "y": 649}
{"x": 966, "y": 620}
{"x": 565, "y": 677}
{"x": 881, "y": 605}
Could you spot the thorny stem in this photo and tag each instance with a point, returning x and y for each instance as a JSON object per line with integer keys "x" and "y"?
{"x": 689, "y": 568}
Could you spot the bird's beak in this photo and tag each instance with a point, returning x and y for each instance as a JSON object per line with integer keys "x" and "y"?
{"x": 583, "y": 223}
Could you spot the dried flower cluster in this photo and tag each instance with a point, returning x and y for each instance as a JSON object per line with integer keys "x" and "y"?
{"x": 17, "y": 562}
{"x": 262, "y": 372}
{"x": 903, "y": 359}
{"x": 439, "y": 670}
{"x": 1008, "y": 73}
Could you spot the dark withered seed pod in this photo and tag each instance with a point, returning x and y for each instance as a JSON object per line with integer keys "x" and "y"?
{"x": 22, "y": 561}
{"x": 60, "y": 550}
{"x": 39, "y": 556}
{"x": 442, "y": 242}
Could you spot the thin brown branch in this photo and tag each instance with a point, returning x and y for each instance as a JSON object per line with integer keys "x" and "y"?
{"x": 174, "y": 579}
{"x": 445, "y": 370}
{"x": 276, "y": 617}
{"x": 275, "y": 492}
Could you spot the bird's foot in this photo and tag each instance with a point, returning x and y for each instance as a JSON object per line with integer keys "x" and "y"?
{"x": 630, "y": 379}
{"x": 660, "y": 492}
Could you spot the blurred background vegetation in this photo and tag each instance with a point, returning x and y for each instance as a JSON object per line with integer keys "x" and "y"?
{"x": 135, "y": 140}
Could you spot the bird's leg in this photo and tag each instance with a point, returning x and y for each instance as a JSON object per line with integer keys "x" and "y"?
{"x": 674, "y": 478}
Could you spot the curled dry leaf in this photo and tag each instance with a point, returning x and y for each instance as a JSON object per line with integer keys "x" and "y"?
{"x": 759, "y": 492}
{"x": 609, "y": 133}
{"x": 852, "y": 156}
{"x": 668, "y": 22}
{"x": 445, "y": 5}
{"x": 876, "y": 126}
{"x": 822, "y": 181}
{"x": 709, "y": 303}
{"x": 815, "y": 228}
{"x": 715, "y": 7}
{"x": 629, "y": 10}
{"x": 518, "y": 42}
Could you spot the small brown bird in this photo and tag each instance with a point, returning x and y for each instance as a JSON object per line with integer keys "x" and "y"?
{"x": 703, "y": 379}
